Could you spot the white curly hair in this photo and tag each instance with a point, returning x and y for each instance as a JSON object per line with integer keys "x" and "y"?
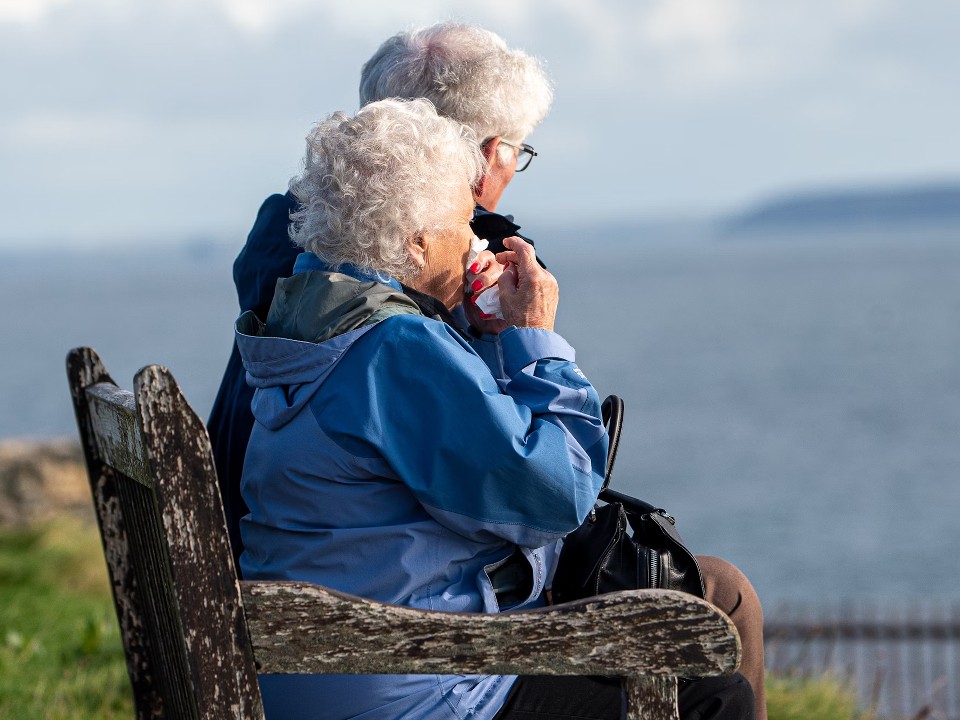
{"x": 373, "y": 181}
{"x": 468, "y": 73}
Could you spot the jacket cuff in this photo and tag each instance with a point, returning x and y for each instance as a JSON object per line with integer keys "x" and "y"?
{"x": 523, "y": 346}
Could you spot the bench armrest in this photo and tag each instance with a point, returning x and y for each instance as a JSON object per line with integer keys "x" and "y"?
{"x": 304, "y": 628}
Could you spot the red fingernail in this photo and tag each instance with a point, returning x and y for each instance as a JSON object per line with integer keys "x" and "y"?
{"x": 484, "y": 316}
{"x": 506, "y": 264}
{"x": 475, "y": 268}
{"x": 476, "y": 285}
{"x": 473, "y": 298}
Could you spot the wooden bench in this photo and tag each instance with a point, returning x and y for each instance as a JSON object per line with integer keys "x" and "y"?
{"x": 195, "y": 637}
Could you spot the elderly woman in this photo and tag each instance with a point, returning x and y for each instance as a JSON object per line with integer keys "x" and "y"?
{"x": 387, "y": 460}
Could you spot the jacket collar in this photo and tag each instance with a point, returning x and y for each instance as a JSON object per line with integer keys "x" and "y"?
{"x": 307, "y": 261}
{"x": 429, "y": 305}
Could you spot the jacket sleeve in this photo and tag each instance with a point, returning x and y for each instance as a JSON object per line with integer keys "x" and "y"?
{"x": 521, "y": 460}
{"x": 268, "y": 255}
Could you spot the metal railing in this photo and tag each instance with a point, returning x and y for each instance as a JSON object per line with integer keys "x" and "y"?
{"x": 903, "y": 661}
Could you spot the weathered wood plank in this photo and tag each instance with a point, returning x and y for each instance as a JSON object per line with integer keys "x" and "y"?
{"x": 85, "y": 369}
{"x": 113, "y": 422}
{"x": 149, "y": 558}
{"x": 200, "y": 559}
{"x": 298, "y": 627}
{"x": 651, "y": 698}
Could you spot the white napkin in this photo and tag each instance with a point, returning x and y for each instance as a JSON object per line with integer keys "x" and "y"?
{"x": 489, "y": 300}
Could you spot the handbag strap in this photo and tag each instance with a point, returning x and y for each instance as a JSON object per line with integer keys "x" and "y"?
{"x": 612, "y": 413}
{"x": 628, "y": 501}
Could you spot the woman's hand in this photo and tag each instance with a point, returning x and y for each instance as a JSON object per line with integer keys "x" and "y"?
{"x": 482, "y": 275}
{"x": 528, "y": 293}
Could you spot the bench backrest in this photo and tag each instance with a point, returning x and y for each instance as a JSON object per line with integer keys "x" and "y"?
{"x": 195, "y": 637}
{"x": 174, "y": 584}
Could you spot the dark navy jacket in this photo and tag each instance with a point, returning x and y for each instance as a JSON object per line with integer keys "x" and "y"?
{"x": 268, "y": 256}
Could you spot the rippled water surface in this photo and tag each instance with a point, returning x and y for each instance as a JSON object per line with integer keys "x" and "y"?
{"x": 795, "y": 404}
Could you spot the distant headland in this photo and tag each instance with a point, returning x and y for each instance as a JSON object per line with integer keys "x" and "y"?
{"x": 858, "y": 208}
{"x": 893, "y": 212}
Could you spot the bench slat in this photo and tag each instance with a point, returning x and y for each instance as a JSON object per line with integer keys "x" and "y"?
{"x": 651, "y": 698}
{"x": 203, "y": 580}
{"x": 119, "y": 443}
{"x": 299, "y": 627}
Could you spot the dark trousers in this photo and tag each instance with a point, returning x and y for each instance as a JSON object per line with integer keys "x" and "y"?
{"x": 735, "y": 697}
{"x": 597, "y": 698}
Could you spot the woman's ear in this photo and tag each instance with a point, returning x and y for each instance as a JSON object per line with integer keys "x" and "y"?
{"x": 417, "y": 247}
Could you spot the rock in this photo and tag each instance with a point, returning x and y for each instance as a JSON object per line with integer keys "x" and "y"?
{"x": 40, "y": 479}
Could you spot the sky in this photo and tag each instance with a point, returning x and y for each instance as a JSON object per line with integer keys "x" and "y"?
{"x": 169, "y": 120}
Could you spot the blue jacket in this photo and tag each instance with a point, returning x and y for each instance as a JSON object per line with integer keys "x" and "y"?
{"x": 267, "y": 256}
{"x": 387, "y": 461}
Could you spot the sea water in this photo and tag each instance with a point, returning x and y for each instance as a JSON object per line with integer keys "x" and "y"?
{"x": 794, "y": 403}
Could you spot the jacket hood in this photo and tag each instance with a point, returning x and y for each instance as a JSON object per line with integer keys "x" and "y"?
{"x": 314, "y": 319}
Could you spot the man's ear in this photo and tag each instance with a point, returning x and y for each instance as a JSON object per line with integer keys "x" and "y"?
{"x": 417, "y": 247}
{"x": 489, "y": 151}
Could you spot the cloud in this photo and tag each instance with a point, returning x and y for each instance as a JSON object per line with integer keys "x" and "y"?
{"x": 25, "y": 11}
{"x": 679, "y": 22}
{"x": 697, "y": 48}
{"x": 662, "y": 103}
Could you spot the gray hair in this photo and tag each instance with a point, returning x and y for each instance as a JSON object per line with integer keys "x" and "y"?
{"x": 468, "y": 73}
{"x": 371, "y": 182}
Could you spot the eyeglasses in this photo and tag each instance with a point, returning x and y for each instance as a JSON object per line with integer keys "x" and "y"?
{"x": 525, "y": 153}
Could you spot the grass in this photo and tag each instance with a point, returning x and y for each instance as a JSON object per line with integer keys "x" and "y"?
{"x": 822, "y": 698}
{"x": 60, "y": 649}
{"x": 61, "y": 655}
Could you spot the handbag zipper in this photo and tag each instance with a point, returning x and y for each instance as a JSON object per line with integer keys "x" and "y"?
{"x": 653, "y": 563}
{"x": 655, "y": 560}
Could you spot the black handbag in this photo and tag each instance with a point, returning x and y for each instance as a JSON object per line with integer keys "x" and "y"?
{"x": 625, "y": 543}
